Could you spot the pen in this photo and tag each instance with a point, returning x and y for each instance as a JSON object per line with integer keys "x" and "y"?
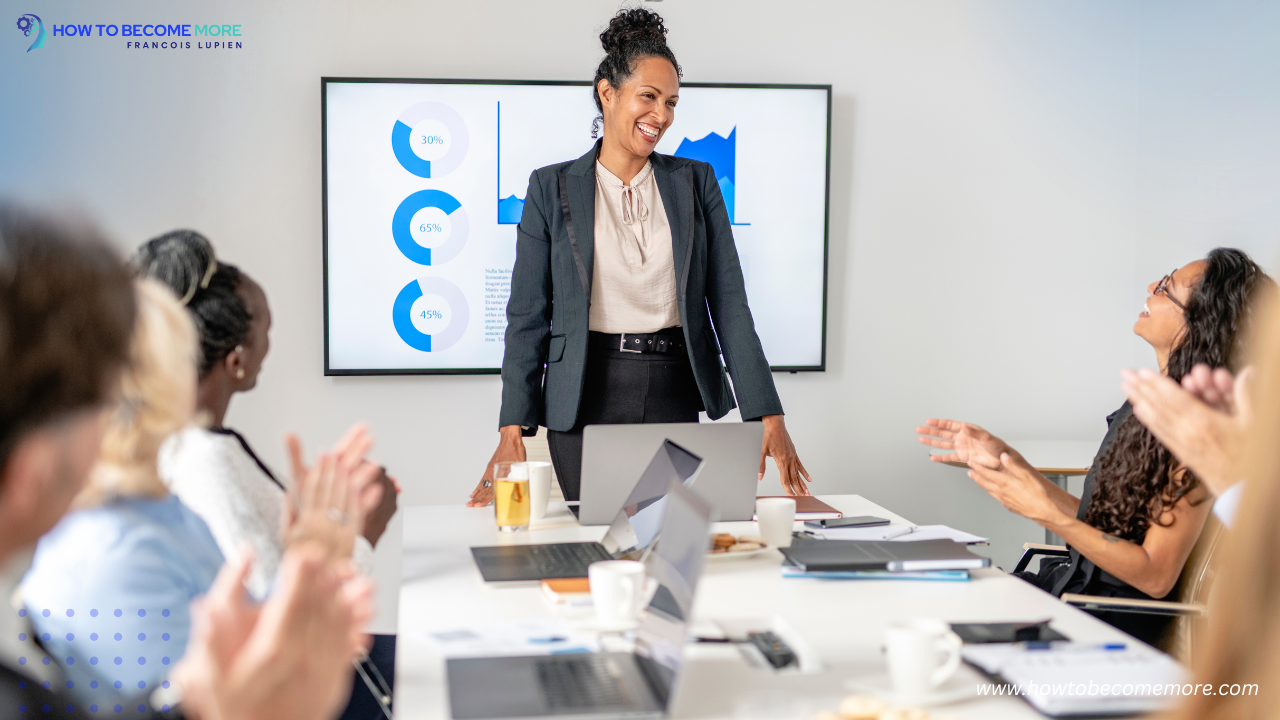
{"x": 1047, "y": 645}
{"x": 899, "y": 532}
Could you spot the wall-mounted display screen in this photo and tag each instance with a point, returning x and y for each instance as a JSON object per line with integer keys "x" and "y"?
{"x": 425, "y": 180}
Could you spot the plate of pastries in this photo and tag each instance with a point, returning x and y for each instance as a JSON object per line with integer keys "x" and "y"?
{"x": 727, "y": 546}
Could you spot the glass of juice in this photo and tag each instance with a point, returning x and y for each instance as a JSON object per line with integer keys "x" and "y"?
{"x": 511, "y": 501}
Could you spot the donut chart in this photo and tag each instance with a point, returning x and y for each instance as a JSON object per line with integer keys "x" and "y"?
{"x": 430, "y": 314}
{"x": 430, "y": 216}
{"x": 430, "y": 139}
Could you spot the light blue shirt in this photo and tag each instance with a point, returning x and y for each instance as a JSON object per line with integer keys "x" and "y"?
{"x": 110, "y": 589}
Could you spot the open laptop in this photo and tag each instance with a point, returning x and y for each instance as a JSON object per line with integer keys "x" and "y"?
{"x": 634, "y": 528}
{"x": 729, "y": 478}
{"x": 603, "y": 685}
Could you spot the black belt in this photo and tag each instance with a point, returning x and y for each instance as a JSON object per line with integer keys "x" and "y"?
{"x": 667, "y": 340}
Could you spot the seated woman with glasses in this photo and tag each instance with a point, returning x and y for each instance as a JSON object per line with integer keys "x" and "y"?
{"x": 1142, "y": 511}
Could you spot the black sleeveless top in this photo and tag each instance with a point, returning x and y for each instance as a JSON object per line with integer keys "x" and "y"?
{"x": 1081, "y": 576}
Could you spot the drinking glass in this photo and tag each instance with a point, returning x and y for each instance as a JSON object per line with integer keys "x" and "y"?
{"x": 511, "y": 501}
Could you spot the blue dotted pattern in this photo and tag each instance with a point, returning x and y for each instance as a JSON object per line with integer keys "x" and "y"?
{"x": 162, "y": 645}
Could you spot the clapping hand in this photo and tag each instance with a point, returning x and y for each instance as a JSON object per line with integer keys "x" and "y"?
{"x": 368, "y": 483}
{"x": 968, "y": 443}
{"x": 290, "y": 657}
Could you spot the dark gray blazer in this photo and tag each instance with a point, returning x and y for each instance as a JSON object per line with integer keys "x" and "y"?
{"x": 544, "y": 364}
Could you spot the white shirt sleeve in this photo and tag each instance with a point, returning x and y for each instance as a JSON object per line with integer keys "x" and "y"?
{"x": 1228, "y": 504}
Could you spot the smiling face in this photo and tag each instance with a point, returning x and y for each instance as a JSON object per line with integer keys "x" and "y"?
{"x": 637, "y": 114}
{"x": 1161, "y": 321}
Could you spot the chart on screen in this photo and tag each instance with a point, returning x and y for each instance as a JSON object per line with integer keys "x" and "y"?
{"x": 425, "y": 183}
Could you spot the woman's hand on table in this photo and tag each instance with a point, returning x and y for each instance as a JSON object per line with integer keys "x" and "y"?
{"x": 510, "y": 449}
{"x": 967, "y": 442}
{"x": 777, "y": 445}
{"x": 1018, "y": 487}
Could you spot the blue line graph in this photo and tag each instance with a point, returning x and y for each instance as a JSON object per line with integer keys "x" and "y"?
{"x": 722, "y": 154}
{"x": 718, "y": 151}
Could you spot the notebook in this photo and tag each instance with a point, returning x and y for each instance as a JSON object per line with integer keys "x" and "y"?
{"x": 844, "y": 555}
{"x": 808, "y": 507}
{"x": 1073, "y": 679}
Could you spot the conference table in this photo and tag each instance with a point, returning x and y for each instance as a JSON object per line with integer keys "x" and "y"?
{"x": 837, "y": 625}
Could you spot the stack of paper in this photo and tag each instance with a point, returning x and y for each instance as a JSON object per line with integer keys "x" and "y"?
{"x": 1067, "y": 678}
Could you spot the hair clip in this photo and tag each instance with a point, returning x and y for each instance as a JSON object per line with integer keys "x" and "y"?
{"x": 204, "y": 281}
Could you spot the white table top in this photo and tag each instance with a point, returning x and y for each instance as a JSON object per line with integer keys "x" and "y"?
{"x": 840, "y": 621}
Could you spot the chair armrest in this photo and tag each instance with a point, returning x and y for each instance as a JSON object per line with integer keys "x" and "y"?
{"x": 1030, "y": 550}
{"x": 1133, "y": 605}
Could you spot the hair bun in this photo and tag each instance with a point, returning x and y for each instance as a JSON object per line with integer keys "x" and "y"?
{"x": 631, "y": 27}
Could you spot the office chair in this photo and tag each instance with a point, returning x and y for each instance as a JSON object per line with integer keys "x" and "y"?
{"x": 1192, "y": 592}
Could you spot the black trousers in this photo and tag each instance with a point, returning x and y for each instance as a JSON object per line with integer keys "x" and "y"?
{"x": 624, "y": 388}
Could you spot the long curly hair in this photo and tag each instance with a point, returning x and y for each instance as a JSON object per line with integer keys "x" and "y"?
{"x": 1138, "y": 478}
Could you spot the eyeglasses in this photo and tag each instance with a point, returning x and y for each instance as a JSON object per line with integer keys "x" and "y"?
{"x": 1162, "y": 288}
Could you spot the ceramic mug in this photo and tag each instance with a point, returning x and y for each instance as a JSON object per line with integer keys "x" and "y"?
{"x": 921, "y": 654}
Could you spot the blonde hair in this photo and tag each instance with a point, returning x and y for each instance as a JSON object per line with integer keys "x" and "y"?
{"x": 1244, "y": 641}
{"x": 157, "y": 398}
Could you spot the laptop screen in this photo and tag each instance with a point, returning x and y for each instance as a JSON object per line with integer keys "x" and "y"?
{"x": 676, "y": 563}
{"x": 637, "y": 524}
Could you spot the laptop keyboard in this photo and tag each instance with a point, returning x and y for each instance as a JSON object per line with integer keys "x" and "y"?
{"x": 582, "y": 681}
{"x": 570, "y": 559}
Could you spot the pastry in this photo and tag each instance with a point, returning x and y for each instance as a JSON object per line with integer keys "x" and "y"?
{"x": 752, "y": 538}
{"x": 744, "y": 547}
{"x": 723, "y": 539}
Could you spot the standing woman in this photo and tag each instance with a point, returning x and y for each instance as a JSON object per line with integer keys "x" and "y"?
{"x": 624, "y": 259}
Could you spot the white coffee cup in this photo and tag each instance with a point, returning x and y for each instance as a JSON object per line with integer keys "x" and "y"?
{"x": 617, "y": 591}
{"x": 921, "y": 655}
{"x": 776, "y": 517}
{"x": 539, "y": 488}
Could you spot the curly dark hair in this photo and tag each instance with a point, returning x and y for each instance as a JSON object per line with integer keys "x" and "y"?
{"x": 1138, "y": 478}
{"x": 184, "y": 260}
{"x": 633, "y": 34}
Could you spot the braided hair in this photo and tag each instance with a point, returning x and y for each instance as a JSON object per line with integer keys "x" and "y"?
{"x": 632, "y": 35}
{"x": 1138, "y": 478}
{"x": 184, "y": 260}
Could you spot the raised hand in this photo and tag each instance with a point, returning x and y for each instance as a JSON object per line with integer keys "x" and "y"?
{"x": 967, "y": 442}
{"x": 777, "y": 445}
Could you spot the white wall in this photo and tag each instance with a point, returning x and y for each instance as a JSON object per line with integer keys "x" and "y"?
{"x": 1006, "y": 179}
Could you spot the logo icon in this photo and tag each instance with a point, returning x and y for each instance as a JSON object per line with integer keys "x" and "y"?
{"x": 25, "y": 23}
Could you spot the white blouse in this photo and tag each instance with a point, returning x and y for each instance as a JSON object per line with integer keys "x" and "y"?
{"x": 242, "y": 501}
{"x": 633, "y": 286}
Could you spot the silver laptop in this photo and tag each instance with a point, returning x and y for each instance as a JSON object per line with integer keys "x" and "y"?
{"x": 603, "y": 685}
{"x": 635, "y": 526}
{"x": 613, "y": 454}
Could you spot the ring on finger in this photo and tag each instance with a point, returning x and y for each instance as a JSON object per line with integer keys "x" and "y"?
{"x": 337, "y": 516}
